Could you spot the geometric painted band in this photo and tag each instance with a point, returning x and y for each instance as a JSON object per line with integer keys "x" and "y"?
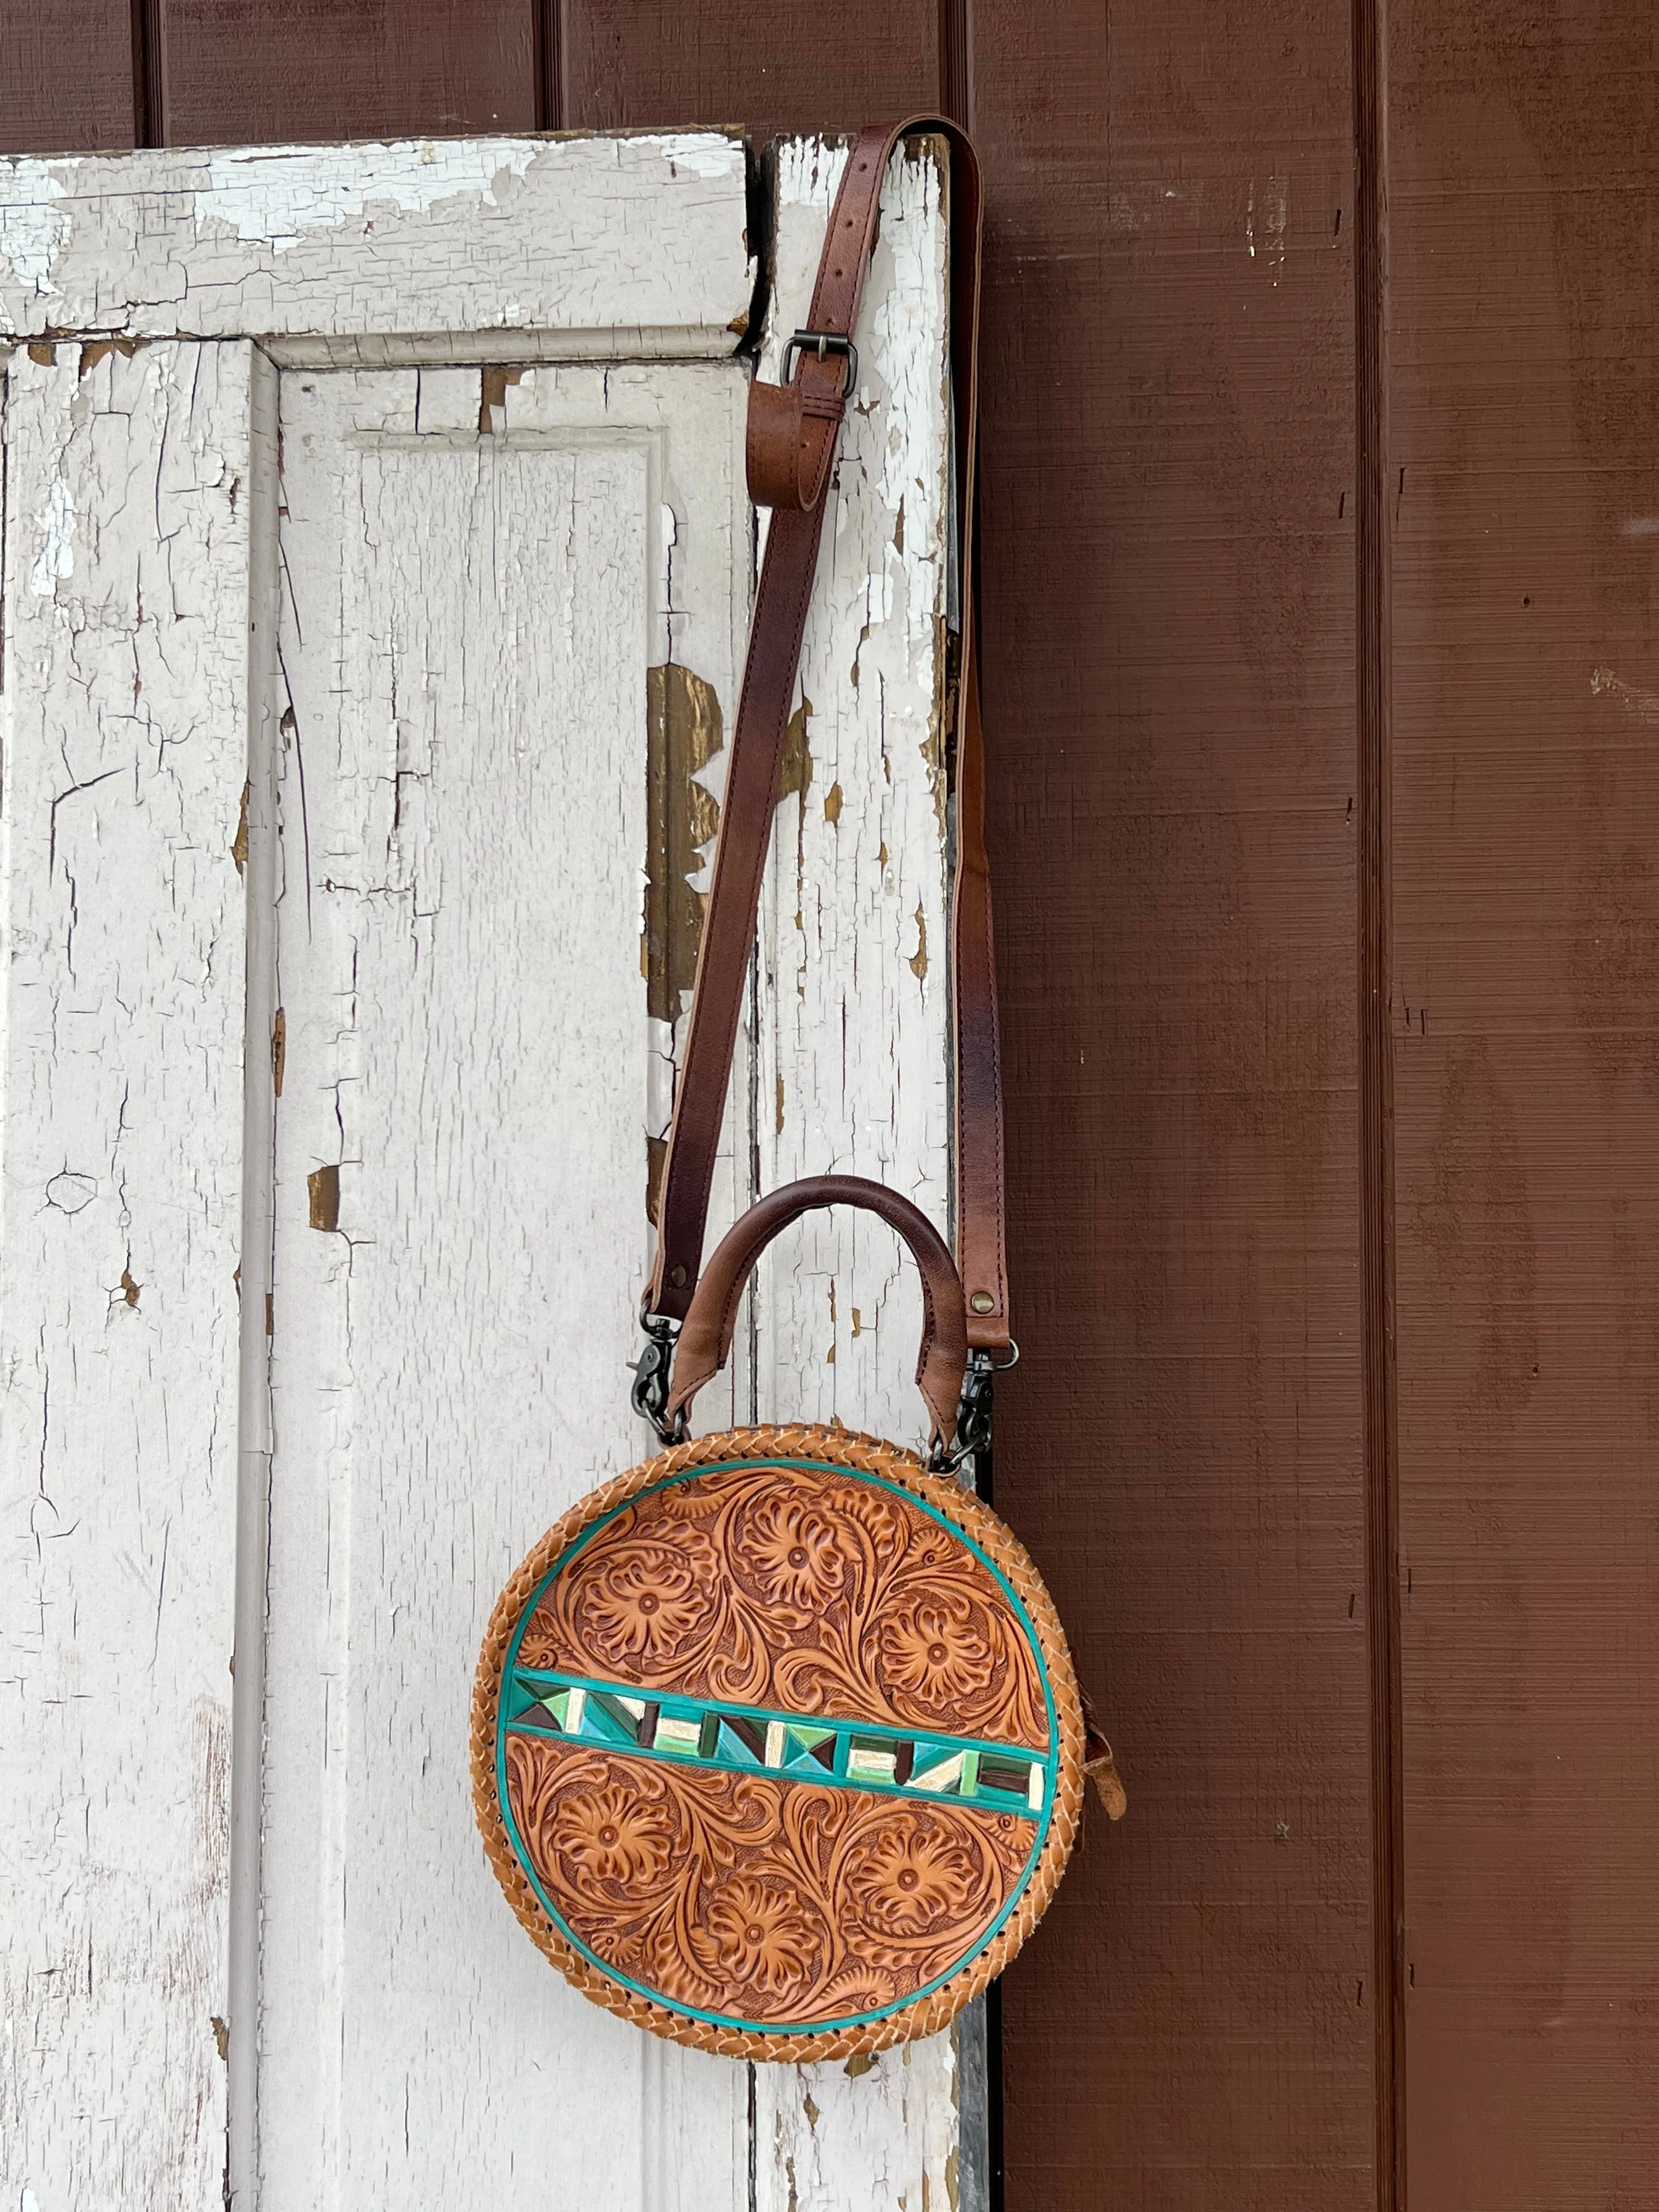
{"x": 703, "y": 1732}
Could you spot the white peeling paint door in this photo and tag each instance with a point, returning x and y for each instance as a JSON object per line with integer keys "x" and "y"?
{"x": 377, "y": 568}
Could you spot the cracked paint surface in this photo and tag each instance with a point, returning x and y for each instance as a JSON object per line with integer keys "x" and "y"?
{"x": 467, "y": 626}
{"x": 33, "y": 224}
{"x": 273, "y": 196}
{"x": 853, "y": 1019}
{"x": 433, "y": 236}
{"x": 479, "y": 566}
{"x": 125, "y": 753}
{"x": 852, "y": 1043}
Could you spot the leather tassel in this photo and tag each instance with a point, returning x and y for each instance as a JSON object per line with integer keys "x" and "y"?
{"x": 1100, "y": 1767}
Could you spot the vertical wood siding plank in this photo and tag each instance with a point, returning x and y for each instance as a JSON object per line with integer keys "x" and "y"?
{"x": 1169, "y": 590}
{"x": 1525, "y": 369}
{"x": 636, "y": 63}
{"x": 66, "y": 76}
{"x": 126, "y": 719}
{"x": 852, "y": 1015}
{"x": 460, "y": 1234}
{"x": 246, "y": 70}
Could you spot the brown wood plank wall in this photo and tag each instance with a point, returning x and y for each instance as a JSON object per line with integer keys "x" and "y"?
{"x": 235, "y": 70}
{"x": 1524, "y": 378}
{"x": 1170, "y": 593}
{"x": 790, "y": 68}
{"x": 1177, "y": 611}
{"x": 66, "y": 75}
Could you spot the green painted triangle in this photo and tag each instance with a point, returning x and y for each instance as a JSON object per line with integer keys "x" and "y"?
{"x": 522, "y": 1697}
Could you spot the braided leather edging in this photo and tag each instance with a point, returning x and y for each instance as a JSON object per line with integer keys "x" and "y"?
{"x": 870, "y": 1455}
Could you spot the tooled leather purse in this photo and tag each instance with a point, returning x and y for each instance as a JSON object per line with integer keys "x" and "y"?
{"x": 776, "y": 1745}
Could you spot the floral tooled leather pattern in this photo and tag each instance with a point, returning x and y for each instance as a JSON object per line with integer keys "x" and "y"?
{"x": 801, "y": 1591}
{"x": 786, "y": 1902}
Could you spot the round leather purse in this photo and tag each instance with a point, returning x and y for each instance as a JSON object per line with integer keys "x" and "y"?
{"x": 776, "y": 1746}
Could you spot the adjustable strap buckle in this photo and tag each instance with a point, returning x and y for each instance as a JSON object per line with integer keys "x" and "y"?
{"x": 822, "y": 343}
{"x": 653, "y": 1373}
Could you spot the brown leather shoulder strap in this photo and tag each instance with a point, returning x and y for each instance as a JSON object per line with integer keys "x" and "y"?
{"x": 792, "y": 432}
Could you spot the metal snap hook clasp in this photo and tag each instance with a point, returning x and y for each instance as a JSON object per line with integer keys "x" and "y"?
{"x": 653, "y": 1373}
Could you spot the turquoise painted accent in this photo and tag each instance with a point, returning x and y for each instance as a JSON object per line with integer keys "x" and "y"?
{"x": 731, "y": 1750}
{"x": 813, "y": 1729}
{"x": 802, "y": 1752}
{"x": 1041, "y": 1824}
{"x": 661, "y": 1728}
{"x": 522, "y": 1697}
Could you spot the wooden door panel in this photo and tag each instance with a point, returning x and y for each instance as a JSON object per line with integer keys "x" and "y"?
{"x": 473, "y": 249}
{"x": 362, "y": 683}
{"x": 851, "y": 1028}
{"x": 460, "y": 1219}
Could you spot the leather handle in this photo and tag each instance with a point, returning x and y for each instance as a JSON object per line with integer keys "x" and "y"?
{"x": 705, "y": 1338}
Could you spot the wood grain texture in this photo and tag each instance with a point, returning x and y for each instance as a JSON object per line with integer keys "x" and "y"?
{"x": 649, "y": 63}
{"x": 126, "y": 732}
{"x": 66, "y": 76}
{"x": 240, "y": 71}
{"x": 1374, "y": 507}
{"x": 1169, "y": 590}
{"x": 852, "y": 1014}
{"x": 465, "y": 1062}
{"x": 1525, "y": 374}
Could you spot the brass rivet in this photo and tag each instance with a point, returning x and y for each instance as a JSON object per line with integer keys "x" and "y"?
{"x": 677, "y": 1276}
{"x": 982, "y": 1302}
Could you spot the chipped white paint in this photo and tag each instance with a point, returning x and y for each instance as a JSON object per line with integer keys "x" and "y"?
{"x": 33, "y": 227}
{"x": 445, "y": 816}
{"x": 701, "y": 152}
{"x": 854, "y": 1007}
{"x": 852, "y": 1074}
{"x": 56, "y": 558}
{"x": 630, "y": 246}
{"x": 272, "y": 197}
{"x": 124, "y": 718}
{"x": 1273, "y": 206}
